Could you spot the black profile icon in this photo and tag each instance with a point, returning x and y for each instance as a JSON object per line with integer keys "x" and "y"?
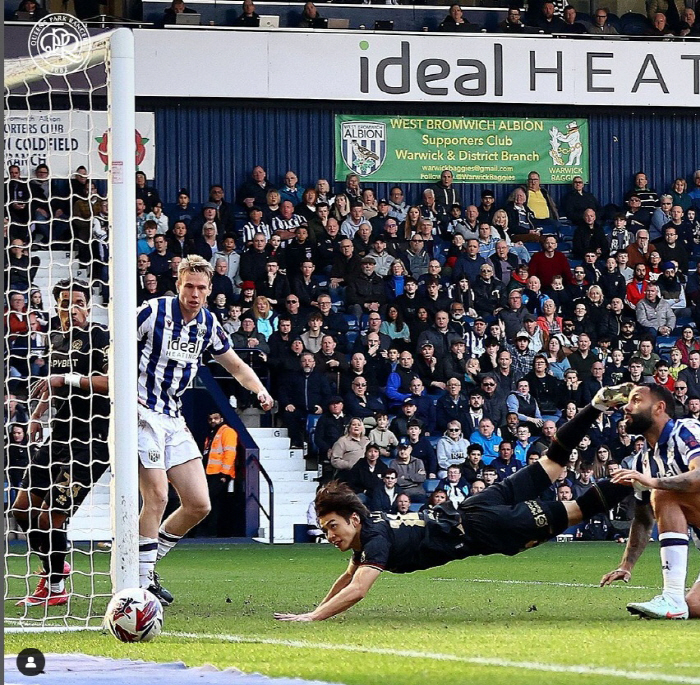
{"x": 30, "y": 662}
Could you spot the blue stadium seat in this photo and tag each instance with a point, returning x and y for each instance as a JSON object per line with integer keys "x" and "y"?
{"x": 415, "y": 507}
{"x": 664, "y": 343}
{"x": 434, "y": 439}
{"x": 430, "y": 484}
{"x": 352, "y": 322}
{"x": 684, "y": 321}
{"x": 633, "y": 24}
{"x": 352, "y": 337}
{"x": 386, "y": 460}
{"x": 364, "y": 322}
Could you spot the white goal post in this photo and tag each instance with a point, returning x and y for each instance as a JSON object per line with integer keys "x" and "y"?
{"x": 24, "y": 80}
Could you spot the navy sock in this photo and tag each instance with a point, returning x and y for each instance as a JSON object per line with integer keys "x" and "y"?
{"x": 570, "y": 435}
{"x": 601, "y": 497}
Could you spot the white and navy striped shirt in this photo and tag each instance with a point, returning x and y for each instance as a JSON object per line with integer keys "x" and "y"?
{"x": 678, "y": 445}
{"x": 170, "y": 351}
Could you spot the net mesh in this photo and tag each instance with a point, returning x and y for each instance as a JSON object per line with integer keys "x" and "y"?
{"x": 56, "y": 228}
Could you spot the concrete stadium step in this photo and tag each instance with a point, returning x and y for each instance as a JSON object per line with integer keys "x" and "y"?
{"x": 293, "y": 489}
{"x": 269, "y": 432}
{"x": 296, "y": 476}
{"x": 272, "y": 443}
{"x": 267, "y": 455}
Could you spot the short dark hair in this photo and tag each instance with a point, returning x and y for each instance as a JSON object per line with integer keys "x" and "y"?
{"x": 339, "y": 498}
{"x": 662, "y": 394}
{"x": 73, "y": 285}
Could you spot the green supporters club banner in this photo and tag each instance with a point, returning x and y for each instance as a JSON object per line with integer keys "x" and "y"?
{"x": 476, "y": 150}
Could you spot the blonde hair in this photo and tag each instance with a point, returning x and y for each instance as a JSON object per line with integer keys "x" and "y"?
{"x": 254, "y": 308}
{"x": 194, "y": 264}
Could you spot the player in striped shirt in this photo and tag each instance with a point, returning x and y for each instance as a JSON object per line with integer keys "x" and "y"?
{"x": 173, "y": 333}
{"x": 670, "y": 465}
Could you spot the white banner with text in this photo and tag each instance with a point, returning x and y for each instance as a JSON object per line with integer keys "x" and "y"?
{"x": 329, "y": 65}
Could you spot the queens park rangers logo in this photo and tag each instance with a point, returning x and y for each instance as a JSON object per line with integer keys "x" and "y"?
{"x": 56, "y": 44}
{"x": 363, "y": 145}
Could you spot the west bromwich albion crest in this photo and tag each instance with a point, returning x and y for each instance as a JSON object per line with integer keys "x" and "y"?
{"x": 363, "y": 145}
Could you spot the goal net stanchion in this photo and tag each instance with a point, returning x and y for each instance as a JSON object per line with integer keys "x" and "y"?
{"x": 103, "y": 549}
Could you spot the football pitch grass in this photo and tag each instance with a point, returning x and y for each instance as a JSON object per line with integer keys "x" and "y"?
{"x": 534, "y": 619}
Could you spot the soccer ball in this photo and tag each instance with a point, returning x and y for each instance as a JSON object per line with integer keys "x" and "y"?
{"x": 134, "y": 615}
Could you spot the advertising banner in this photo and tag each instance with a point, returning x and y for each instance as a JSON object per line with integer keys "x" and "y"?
{"x": 66, "y": 140}
{"x": 433, "y": 67}
{"x": 476, "y": 150}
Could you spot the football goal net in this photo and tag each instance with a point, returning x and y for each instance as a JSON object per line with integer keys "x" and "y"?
{"x": 70, "y": 468}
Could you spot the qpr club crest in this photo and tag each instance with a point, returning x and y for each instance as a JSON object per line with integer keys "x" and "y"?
{"x": 363, "y": 146}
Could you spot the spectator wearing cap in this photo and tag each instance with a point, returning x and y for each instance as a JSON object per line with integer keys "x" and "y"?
{"x": 183, "y": 209}
{"x": 487, "y": 208}
{"x": 538, "y": 338}
{"x": 254, "y": 225}
{"x": 521, "y": 354}
{"x": 382, "y": 259}
{"x": 408, "y": 414}
{"x": 331, "y": 426}
{"x": 208, "y": 215}
{"x": 365, "y": 291}
{"x": 379, "y": 219}
{"x": 446, "y": 194}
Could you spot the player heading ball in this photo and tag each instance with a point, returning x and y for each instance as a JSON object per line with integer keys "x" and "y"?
{"x": 506, "y": 518}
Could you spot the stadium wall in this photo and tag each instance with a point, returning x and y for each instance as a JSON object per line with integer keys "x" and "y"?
{"x": 204, "y": 142}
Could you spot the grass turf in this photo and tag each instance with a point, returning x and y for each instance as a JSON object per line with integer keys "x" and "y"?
{"x": 233, "y": 591}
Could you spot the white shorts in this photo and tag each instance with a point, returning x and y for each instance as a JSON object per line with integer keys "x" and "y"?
{"x": 164, "y": 441}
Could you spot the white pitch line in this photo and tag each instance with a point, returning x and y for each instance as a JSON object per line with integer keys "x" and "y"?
{"x": 437, "y": 656}
{"x": 538, "y": 582}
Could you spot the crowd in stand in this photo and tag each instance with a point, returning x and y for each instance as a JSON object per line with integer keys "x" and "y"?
{"x": 407, "y": 343}
{"x": 664, "y": 18}
{"x": 412, "y": 343}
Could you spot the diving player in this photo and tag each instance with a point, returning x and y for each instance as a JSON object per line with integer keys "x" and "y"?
{"x": 68, "y": 464}
{"x": 173, "y": 333}
{"x": 671, "y": 466}
{"x": 506, "y": 518}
